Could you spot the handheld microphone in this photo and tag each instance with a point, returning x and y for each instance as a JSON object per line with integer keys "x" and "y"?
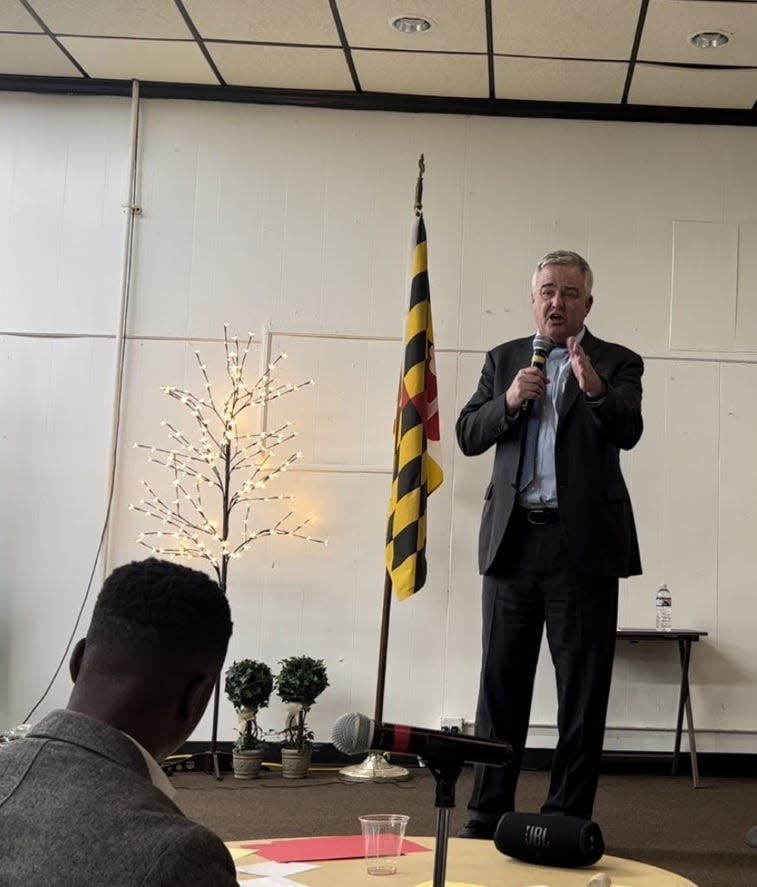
{"x": 542, "y": 346}
{"x": 355, "y": 733}
{"x": 563, "y": 841}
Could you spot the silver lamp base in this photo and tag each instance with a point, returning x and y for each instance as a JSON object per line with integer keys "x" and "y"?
{"x": 375, "y": 768}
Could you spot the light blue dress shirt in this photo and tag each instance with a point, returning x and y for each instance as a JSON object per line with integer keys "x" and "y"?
{"x": 542, "y": 491}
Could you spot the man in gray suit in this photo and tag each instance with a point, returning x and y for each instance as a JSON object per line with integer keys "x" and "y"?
{"x": 557, "y": 531}
{"x": 82, "y": 797}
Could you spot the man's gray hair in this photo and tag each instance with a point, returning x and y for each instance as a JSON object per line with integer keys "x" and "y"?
{"x": 565, "y": 257}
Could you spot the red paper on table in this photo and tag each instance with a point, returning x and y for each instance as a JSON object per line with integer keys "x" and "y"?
{"x": 321, "y": 849}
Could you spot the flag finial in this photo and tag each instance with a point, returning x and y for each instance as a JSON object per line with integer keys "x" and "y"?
{"x": 419, "y": 186}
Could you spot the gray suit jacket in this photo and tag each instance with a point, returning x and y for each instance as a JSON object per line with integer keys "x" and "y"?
{"x": 594, "y": 505}
{"x": 77, "y": 808}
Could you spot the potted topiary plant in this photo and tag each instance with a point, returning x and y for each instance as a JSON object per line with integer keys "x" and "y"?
{"x": 299, "y": 682}
{"x": 249, "y": 685}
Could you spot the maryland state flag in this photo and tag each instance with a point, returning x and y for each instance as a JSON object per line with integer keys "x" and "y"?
{"x": 417, "y": 449}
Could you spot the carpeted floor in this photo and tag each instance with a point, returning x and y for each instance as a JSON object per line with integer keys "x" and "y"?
{"x": 660, "y": 820}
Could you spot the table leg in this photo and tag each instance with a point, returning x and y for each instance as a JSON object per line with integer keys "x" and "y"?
{"x": 692, "y": 745}
{"x": 684, "y": 704}
{"x": 683, "y": 651}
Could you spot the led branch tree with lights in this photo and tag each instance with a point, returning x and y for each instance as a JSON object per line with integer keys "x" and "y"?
{"x": 221, "y": 472}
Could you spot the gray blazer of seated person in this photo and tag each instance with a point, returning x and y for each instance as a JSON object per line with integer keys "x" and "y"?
{"x": 77, "y": 807}
{"x": 83, "y": 800}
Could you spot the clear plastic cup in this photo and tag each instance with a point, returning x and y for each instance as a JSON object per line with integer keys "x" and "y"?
{"x": 383, "y": 834}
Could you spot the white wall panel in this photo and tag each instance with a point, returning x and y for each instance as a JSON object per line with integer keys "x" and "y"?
{"x": 469, "y": 480}
{"x": 703, "y": 297}
{"x": 731, "y": 703}
{"x": 346, "y": 417}
{"x": 495, "y": 262}
{"x": 62, "y": 184}
{"x": 54, "y": 452}
{"x": 631, "y": 279}
{"x": 739, "y": 189}
{"x": 745, "y": 338}
{"x": 298, "y": 222}
{"x": 676, "y": 167}
{"x": 166, "y": 226}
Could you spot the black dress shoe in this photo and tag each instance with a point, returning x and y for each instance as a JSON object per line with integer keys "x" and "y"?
{"x": 475, "y": 828}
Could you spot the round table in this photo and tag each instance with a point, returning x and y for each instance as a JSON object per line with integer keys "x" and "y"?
{"x": 472, "y": 862}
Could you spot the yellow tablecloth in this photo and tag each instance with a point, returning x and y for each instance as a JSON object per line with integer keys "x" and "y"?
{"x": 475, "y": 862}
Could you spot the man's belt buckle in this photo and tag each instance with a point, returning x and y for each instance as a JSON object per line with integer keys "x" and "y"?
{"x": 540, "y": 517}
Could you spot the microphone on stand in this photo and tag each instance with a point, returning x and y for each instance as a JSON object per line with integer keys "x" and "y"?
{"x": 355, "y": 733}
{"x": 542, "y": 346}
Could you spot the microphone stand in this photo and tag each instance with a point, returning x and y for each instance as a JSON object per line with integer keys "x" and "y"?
{"x": 446, "y": 777}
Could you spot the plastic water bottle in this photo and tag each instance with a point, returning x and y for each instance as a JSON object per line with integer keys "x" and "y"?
{"x": 664, "y": 606}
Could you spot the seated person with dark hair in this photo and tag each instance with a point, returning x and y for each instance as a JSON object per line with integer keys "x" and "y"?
{"x": 82, "y": 797}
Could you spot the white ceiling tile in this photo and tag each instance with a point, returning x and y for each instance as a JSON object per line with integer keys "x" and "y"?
{"x": 267, "y": 21}
{"x": 592, "y": 29}
{"x": 456, "y": 26}
{"x": 13, "y": 17}
{"x": 281, "y": 67}
{"x": 113, "y": 18}
{"x": 34, "y": 55}
{"x": 159, "y": 60}
{"x": 670, "y": 24}
{"x": 559, "y": 80}
{"x": 693, "y": 88}
{"x": 421, "y": 73}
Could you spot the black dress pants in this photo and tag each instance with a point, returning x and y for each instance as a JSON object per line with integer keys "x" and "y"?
{"x": 533, "y": 583}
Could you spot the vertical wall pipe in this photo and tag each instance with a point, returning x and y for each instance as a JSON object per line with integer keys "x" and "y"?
{"x": 132, "y": 210}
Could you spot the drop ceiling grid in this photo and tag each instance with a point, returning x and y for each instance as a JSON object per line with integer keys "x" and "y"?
{"x": 156, "y": 19}
{"x": 13, "y": 17}
{"x": 670, "y": 24}
{"x": 561, "y": 80}
{"x": 555, "y": 51}
{"x": 456, "y": 26}
{"x": 265, "y": 21}
{"x": 281, "y": 67}
{"x": 586, "y": 29}
{"x": 17, "y": 50}
{"x": 682, "y": 87}
{"x": 148, "y": 60}
{"x": 412, "y": 73}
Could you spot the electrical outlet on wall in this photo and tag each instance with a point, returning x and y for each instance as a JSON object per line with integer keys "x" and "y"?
{"x": 452, "y": 725}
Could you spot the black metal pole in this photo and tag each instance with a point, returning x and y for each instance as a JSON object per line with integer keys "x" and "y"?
{"x": 222, "y": 583}
{"x": 446, "y": 777}
{"x": 378, "y": 711}
{"x": 214, "y": 735}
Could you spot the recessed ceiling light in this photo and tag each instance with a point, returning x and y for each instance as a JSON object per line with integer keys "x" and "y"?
{"x": 709, "y": 39}
{"x": 411, "y": 24}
